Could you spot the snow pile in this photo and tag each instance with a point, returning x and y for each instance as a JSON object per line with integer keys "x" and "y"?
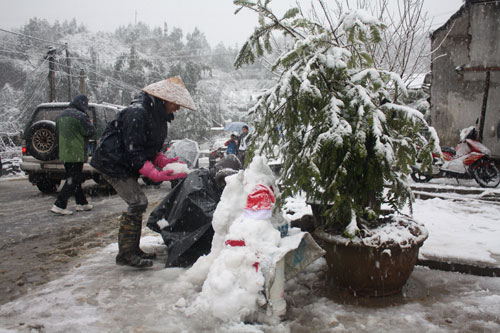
{"x": 163, "y": 223}
{"x": 402, "y": 231}
{"x": 234, "y": 286}
{"x": 230, "y": 207}
{"x": 177, "y": 167}
{"x": 464, "y": 232}
{"x": 295, "y": 207}
{"x": 245, "y": 247}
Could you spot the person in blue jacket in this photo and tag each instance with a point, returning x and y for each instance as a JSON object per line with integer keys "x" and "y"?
{"x": 232, "y": 145}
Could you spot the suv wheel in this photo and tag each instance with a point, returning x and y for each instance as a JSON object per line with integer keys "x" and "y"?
{"x": 48, "y": 186}
{"x": 41, "y": 141}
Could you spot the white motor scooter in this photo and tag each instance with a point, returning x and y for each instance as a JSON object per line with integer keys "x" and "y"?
{"x": 470, "y": 159}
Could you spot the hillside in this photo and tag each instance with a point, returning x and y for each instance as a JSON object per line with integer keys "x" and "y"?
{"x": 116, "y": 65}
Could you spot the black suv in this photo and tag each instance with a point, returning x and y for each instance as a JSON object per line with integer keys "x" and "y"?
{"x": 40, "y": 147}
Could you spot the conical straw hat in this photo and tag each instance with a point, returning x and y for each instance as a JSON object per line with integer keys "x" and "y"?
{"x": 171, "y": 90}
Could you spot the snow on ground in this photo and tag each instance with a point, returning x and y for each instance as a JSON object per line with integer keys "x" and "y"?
{"x": 100, "y": 43}
{"x": 444, "y": 183}
{"x": 460, "y": 231}
{"x": 99, "y": 296}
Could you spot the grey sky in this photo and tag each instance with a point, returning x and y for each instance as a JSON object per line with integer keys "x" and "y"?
{"x": 215, "y": 18}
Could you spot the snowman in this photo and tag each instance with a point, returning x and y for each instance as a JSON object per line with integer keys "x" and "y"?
{"x": 253, "y": 252}
{"x": 235, "y": 286}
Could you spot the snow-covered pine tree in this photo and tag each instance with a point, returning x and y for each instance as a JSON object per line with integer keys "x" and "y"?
{"x": 329, "y": 119}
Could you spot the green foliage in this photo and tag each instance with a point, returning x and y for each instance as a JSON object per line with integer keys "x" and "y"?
{"x": 260, "y": 40}
{"x": 328, "y": 120}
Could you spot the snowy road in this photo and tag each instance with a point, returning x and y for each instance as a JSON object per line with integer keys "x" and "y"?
{"x": 37, "y": 246}
{"x": 98, "y": 297}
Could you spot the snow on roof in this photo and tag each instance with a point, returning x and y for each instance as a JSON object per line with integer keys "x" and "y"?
{"x": 415, "y": 81}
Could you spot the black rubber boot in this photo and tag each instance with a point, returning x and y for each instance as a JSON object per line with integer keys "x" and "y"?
{"x": 133, "y": 260}
{"x": 129, "y": 236}
{"x": 138, "y": 220}
{"x": 145, "y": 255}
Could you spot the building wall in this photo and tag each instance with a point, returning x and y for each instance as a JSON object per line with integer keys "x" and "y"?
{"x": 471, "y": 38}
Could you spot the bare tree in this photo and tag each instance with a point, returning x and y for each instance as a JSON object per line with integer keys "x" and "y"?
{"x": 405, "y": 43}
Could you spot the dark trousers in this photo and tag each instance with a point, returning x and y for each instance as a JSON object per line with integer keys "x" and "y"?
{"x": 72, "y": 185}
{"x": 130, "y": 191}
{"x": 241, "y": 156}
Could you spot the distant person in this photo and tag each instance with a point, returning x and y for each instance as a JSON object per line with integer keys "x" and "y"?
{"x": 245, "y": 138}
{"x": 232, "y": 145}
{"x": 74, "y": 130}
{"x": 130, "y": 146}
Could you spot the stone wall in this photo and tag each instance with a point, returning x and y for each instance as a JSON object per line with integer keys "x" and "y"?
{"x": 469, "y": 41}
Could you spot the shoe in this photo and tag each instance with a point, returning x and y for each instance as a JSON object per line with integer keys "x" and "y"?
{"x": 81, "y": 208}
{"x": 60, "y": 211}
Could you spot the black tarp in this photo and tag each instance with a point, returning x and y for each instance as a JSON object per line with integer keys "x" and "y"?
{"x": 188, "y": 209}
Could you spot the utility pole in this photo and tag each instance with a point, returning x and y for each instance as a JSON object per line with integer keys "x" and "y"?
{"x": 52, "y": 77}
{"x": 68, "y": 68}
{"x": 83, "y": 89}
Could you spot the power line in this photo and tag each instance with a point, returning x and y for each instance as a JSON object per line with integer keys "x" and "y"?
{"x": 163, "y": 58}
{"x": 38, "y": 86}
{"x": 31, "y": 72}
{"x": 17, "y": 43}
{"x": 17, "y": 58}
{"x": 31, "y": 37}
{"x": 112, "y": 80}
{"x": 181, "y": 54}
{"x": 13, "y": 51}
{"x": 116, "y": 82}
{"x": 9, "y": 58}
{"x": 170, "y": 56}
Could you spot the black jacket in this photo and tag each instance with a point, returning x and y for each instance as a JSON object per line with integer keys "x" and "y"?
{"x": 134, "y": 137}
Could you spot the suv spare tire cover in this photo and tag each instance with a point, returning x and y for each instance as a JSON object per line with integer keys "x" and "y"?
{"x": 42, "y": 142}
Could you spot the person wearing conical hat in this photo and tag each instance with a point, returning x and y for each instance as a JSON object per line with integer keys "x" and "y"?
{"x": 130, "y": 147}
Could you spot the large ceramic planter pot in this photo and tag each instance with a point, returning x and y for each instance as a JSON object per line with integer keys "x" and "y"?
{"x": 371, "y": 270}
